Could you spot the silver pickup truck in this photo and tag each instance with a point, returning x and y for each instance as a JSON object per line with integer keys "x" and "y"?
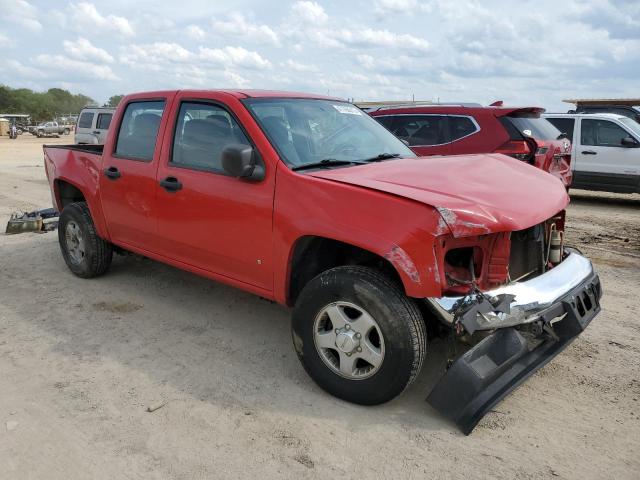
{"x": 50, "y": 128}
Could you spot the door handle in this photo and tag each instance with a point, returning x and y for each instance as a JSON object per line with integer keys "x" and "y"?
{"x": 97, "y": 132}
{"x": 589, "y": 152}
{"x": 112, "y": 173}
{"x": 171, "y": 184}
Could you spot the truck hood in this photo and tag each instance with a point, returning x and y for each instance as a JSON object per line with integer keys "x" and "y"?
{"x": 475, "y": 194}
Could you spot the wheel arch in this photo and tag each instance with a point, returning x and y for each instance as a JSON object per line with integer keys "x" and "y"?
{"x": 311, "y": 255}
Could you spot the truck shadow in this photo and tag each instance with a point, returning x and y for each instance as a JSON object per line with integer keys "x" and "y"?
{"x": 583, "y": 197}
{"x": 210, "y": 342}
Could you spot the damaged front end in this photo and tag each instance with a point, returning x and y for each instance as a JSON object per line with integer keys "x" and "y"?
{"x": 523, "y": 322}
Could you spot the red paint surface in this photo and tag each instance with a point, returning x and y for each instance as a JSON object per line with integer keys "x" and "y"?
{"x": 244, "y": 233}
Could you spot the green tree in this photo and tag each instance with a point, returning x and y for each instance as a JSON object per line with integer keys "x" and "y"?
{"x": 113, "y": 101}
{"x": 41, "y": 105}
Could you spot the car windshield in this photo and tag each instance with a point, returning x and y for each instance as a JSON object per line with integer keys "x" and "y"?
{"x": 536, "y": 127}
{"x": 309, "y": 131}
{"x": 632, "y": 125}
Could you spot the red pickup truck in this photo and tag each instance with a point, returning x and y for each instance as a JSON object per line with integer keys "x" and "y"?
{"x": 308, "y": 201}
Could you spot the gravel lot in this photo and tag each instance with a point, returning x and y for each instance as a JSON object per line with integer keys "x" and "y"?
{"x": 81, "y": 359}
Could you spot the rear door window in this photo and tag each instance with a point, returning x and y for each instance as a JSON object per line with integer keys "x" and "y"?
{"x": 421, "y": 130}
{"x": 564, "y": 125}
{"x": 104, "y": 119}
{"x": 460, "y": 127}
{"x": 602, "y": 133}
{"x": 139, "y": 130}
{"x": 86, "y": 119}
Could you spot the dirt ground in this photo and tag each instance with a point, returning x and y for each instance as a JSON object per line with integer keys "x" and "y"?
{"x": 80, "y": 360}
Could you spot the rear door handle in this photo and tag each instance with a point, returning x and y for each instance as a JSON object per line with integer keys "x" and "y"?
{"x": 171, "y": 184}
{"x": 589, "y": 152}
{"x": 97, "y": 132}
{"x": 113, "y": 173}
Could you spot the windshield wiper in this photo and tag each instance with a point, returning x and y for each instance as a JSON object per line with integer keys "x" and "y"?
{"x": 327, "y": 162}
{"x": 382, "y": 156}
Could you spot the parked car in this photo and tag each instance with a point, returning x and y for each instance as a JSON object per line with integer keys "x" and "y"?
{"x": 471, "y": 128}
{"x": 307, "y": 201}
{"x": 50, "y": 128}
{"x": 21, "y": 121}
{"x": 605, "y": 153}
{"x": 93, "y": 124}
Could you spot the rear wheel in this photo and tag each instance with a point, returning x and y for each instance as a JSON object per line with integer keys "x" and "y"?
{"x": 85, "y": 253}
{"x": 67, "y": 131}
{"x": 40, "y": 133}
{"x": 357, "y": 335}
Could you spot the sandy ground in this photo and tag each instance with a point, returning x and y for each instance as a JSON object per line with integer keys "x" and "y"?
{"x": 80, "y": 360}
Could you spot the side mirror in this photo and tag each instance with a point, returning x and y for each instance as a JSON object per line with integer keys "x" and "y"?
{"x": 629, "y": 142}
{"x": 241, "y": 161}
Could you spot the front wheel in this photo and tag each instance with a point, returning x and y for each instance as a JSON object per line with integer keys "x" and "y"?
{"x": 357, "y": 335}
{"x": 67, "y": 131}
{"x": 85, "y": 253}
{"x": 40, "y": 133}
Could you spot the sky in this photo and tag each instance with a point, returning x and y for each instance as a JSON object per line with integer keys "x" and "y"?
{"x": 526, "y": 52}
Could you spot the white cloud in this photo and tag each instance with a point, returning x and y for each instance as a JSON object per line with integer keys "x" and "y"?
{"x": 20, "y": 12}
{"x": 369, "y": 38}
{"x": 5, "y": 41}
{"x": 195, "y": 32}
{"x": 299, "y": 67}
{"x": 73, "y": 69}
{"x": 234, "y": 56}
{"x": 83, "y": 49}
{"x": 85, "y": 15}
{"x": 309, "y": 12}
{"x": 394, "y": 7}
{"x": 235, "y": 24}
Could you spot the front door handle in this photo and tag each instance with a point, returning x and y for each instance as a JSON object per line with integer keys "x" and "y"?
{"x": 112, "y": 173}
{"x": 171, "y": 184}
{"x": 589, "y": 152}
{"x": 97, "y": 132}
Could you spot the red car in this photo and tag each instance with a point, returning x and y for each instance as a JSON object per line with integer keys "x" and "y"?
{"x": 468, "y": 128}
{"x": 307, "y": 201}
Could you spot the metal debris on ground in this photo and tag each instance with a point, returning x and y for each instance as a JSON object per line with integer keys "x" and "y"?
{"x": 44, "y": 220}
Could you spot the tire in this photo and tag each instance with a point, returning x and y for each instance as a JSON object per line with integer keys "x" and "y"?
{"x": 398, "y": 337}
{"x": 40, "y": 133}
{"x": 67, "y": 131}
{"x": 20, "y": 131}
{"x": 87, "y": 255}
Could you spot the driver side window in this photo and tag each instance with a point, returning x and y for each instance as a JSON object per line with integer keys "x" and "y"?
{"x": 602, "y": 133}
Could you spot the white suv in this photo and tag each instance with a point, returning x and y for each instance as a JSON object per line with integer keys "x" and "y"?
{"x": 605, "y": 150}
{"x": 93, "y": 125}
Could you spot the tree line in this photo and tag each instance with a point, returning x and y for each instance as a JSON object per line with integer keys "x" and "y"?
{"x": 45, "y": 105}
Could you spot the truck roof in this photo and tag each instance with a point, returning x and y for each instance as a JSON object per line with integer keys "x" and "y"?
{"x": 613, "y": 116}
{"x": 243, "y": 93}
{"x": 499, "y": 111}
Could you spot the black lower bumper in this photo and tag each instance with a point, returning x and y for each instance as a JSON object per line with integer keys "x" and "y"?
{"x": 498, "y": 364}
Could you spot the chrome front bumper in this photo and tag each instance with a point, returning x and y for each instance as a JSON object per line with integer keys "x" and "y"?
{"x": 531, "y": 300}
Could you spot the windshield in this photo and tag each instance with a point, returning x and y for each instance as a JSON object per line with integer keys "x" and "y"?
{"x": 535, "y": 127}
{"x": 308, "y": 131}
{"x": 632, "y": 125}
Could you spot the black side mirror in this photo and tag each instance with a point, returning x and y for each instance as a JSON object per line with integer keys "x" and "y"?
{"x": 242, "y": 161}
{"x": 629, "y": 142}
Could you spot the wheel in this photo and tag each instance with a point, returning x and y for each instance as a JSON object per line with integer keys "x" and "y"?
{"x": 20, "y": 131}
{"x": 357, "y": 335}
{"x": 85, "y": 253}
{"x": 67, "y": 131}
{"x": 40, "y": 133}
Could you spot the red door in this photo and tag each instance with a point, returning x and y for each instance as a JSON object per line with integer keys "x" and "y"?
{"x": 128, "y": 176}
{"x": 206, "y": 218}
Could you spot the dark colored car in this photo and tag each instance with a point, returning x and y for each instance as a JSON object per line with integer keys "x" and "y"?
{"x": 462, "y": 129}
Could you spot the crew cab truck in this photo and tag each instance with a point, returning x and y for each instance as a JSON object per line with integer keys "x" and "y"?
{"x": 50, "y": 128}
{"x": 605, "y": 152}
{"x": 308, "y": 201}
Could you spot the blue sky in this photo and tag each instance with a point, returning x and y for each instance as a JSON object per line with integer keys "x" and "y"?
{"x": 526, "y": 52}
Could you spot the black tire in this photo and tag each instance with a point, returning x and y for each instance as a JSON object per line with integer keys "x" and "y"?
{"x": 398, "y": 319}
{"x": 67, "y": 131}
{"x": 97, "y": 252}
{"x": 40, "y": 133}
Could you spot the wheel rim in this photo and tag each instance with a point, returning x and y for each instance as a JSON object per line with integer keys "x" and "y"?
{"x": 75, "y": 242}
{"x": 348, "y": 340}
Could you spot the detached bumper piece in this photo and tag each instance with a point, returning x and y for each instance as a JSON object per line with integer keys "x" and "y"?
{"x": 498, "y": 364}
{"x": 43, "y": 220}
